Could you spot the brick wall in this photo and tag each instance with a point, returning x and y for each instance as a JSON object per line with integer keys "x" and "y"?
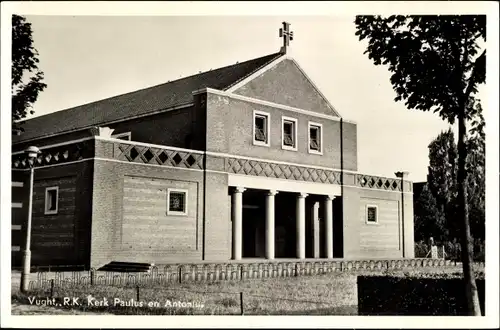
{"x": 146, "y": 224}
{"x": 171, "y": 128}
{"x": 286, "y": 84}
{"x": 384, "y": 239}
{"x": 109, "y": 215}
{"x": 217, "y": 217}
{"x": 60, "y": 238}
{"x": 230, "y": 130}
{"x": 177, "y": 128}
{"x": 19, "y": 214}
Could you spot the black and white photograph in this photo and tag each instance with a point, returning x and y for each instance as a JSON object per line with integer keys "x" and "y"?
{"x": 236, "y": 163}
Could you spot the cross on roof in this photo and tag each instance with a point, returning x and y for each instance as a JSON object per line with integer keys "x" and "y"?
{"x": 287, "y": 36}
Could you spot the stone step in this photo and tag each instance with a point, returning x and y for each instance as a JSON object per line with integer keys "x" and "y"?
{"x": 127, "y": 267}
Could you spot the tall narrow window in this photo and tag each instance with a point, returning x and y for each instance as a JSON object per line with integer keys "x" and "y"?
{"x": 371, "y": 214}
{"x": 315, "y": 138}
{"x": 51, "y": 200}
{"x": 261, "y": 128}
{"x": 289, "y": 133}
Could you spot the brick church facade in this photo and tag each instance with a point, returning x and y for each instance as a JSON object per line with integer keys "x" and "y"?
{"x": 249, "y": 161}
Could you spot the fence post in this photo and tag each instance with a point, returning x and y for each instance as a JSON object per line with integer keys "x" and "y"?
{"x": 138, "y": 296}
{"x": 241, "y": 303}
{"x": 180, "y": 274}
{"x": 51, "y": 288}
{"x": 296, "y": 269}
{"x": 92, "y": 276}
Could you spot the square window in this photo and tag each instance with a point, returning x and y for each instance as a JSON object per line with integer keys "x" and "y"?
{"x": 51, "y": 200}
{"x": 289, "y": 133}
{"x": 315, "y": 138}
{"x": 177, "y": 202}
{"x": 371, "y": 214}
{"x": 261, "y": 128}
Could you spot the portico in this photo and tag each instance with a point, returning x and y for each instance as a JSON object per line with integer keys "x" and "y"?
{"x": 310, "y": 216}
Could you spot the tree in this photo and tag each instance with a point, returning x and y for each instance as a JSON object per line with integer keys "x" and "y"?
{"x": 443, "y": 185}
{"x": 429, "y": 219}
{"x": 27, "y": 79}
{"x": 442, "y": 178}
{"x": 435, "y": 67}
{"x": 476, "y": 175}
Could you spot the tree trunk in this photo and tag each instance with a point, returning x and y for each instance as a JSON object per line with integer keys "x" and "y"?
{"x": 466, "y": 239}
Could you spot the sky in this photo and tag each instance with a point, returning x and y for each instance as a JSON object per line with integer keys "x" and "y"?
{"x": 87, "y": 58}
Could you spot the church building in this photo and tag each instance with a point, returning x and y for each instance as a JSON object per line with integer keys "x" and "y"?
{"x": 248, "y": 161}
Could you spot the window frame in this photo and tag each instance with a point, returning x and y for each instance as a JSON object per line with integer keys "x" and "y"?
{"x": 46, "y": 208}
{"x": 186, "y": 195}
{"x": 376, "y": 222}
{"x": 320, "y": 126}
{"x": 295, "y": 141}
{"x": 267, "y": 115}
{"x": 120, "y": 135}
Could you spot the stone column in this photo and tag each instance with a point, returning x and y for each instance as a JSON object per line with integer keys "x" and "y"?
{"x": 301, "y": 225}
{"x": 316, "y": 229}
{"x": 329, "y": 226}
{"x": 270, "y": 224}
{"x": 237, "y": 207}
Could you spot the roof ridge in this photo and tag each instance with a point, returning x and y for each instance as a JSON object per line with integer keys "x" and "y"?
{"x": 200, "y": 73}
{"x": 140, "y": 102}
{"x": 160, "y": 84}
{"x": 276, "y": 56}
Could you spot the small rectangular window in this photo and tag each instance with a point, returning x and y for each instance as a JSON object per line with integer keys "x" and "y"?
{"x": 289, "y": 136}
{"x": 315, "y": 138}
{"x": 371, "y": 214}
{"x": 51, "y": 200}
{"x": 261, "y": 128}
{"x": 177, "y": 202}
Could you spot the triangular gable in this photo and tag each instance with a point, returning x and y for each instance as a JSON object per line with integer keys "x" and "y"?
{"x": 284, "y": 82}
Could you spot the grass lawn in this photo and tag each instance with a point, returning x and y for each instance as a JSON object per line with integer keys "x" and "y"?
{"x": 328, "y": 294}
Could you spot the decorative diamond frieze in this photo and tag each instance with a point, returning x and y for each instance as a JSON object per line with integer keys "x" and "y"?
{"x": 158, "y": 156}
{"x": 281, "y": 171}
{"x": 368, "y": 181}
{"x": 56, "y": 155}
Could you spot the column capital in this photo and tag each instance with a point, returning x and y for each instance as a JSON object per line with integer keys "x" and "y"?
{"x": 330, "y": 197}
{"x": 302, "y": 195}
{"x": 239, "y": 189}
{"x": 272, "y": 192}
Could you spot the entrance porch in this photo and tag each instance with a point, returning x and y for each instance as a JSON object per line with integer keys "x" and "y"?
{"x": 270, "y": 224}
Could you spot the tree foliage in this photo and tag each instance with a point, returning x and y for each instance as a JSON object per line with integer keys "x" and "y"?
{"x": 436, "y": 66}
{"x": 27, "y": 78}
{"x": 442, "y": 178}
{"x": 429, "y": 218}
{"x": 442, "y": 185}
{"x": 476, "y": 180}
{"x": 431, "y": 58}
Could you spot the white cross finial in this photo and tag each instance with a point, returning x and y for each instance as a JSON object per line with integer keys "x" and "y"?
{"x": 287, "y": 36}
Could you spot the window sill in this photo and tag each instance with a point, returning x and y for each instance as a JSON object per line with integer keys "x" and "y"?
{"x": 369, "y": 223}
{"x": 176, "y": 213}
{"x": 261, "y": 144}
{"x": 50, "y": 212}
{"x": 288, "y": 148}
{"x": 315, "y": 152}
